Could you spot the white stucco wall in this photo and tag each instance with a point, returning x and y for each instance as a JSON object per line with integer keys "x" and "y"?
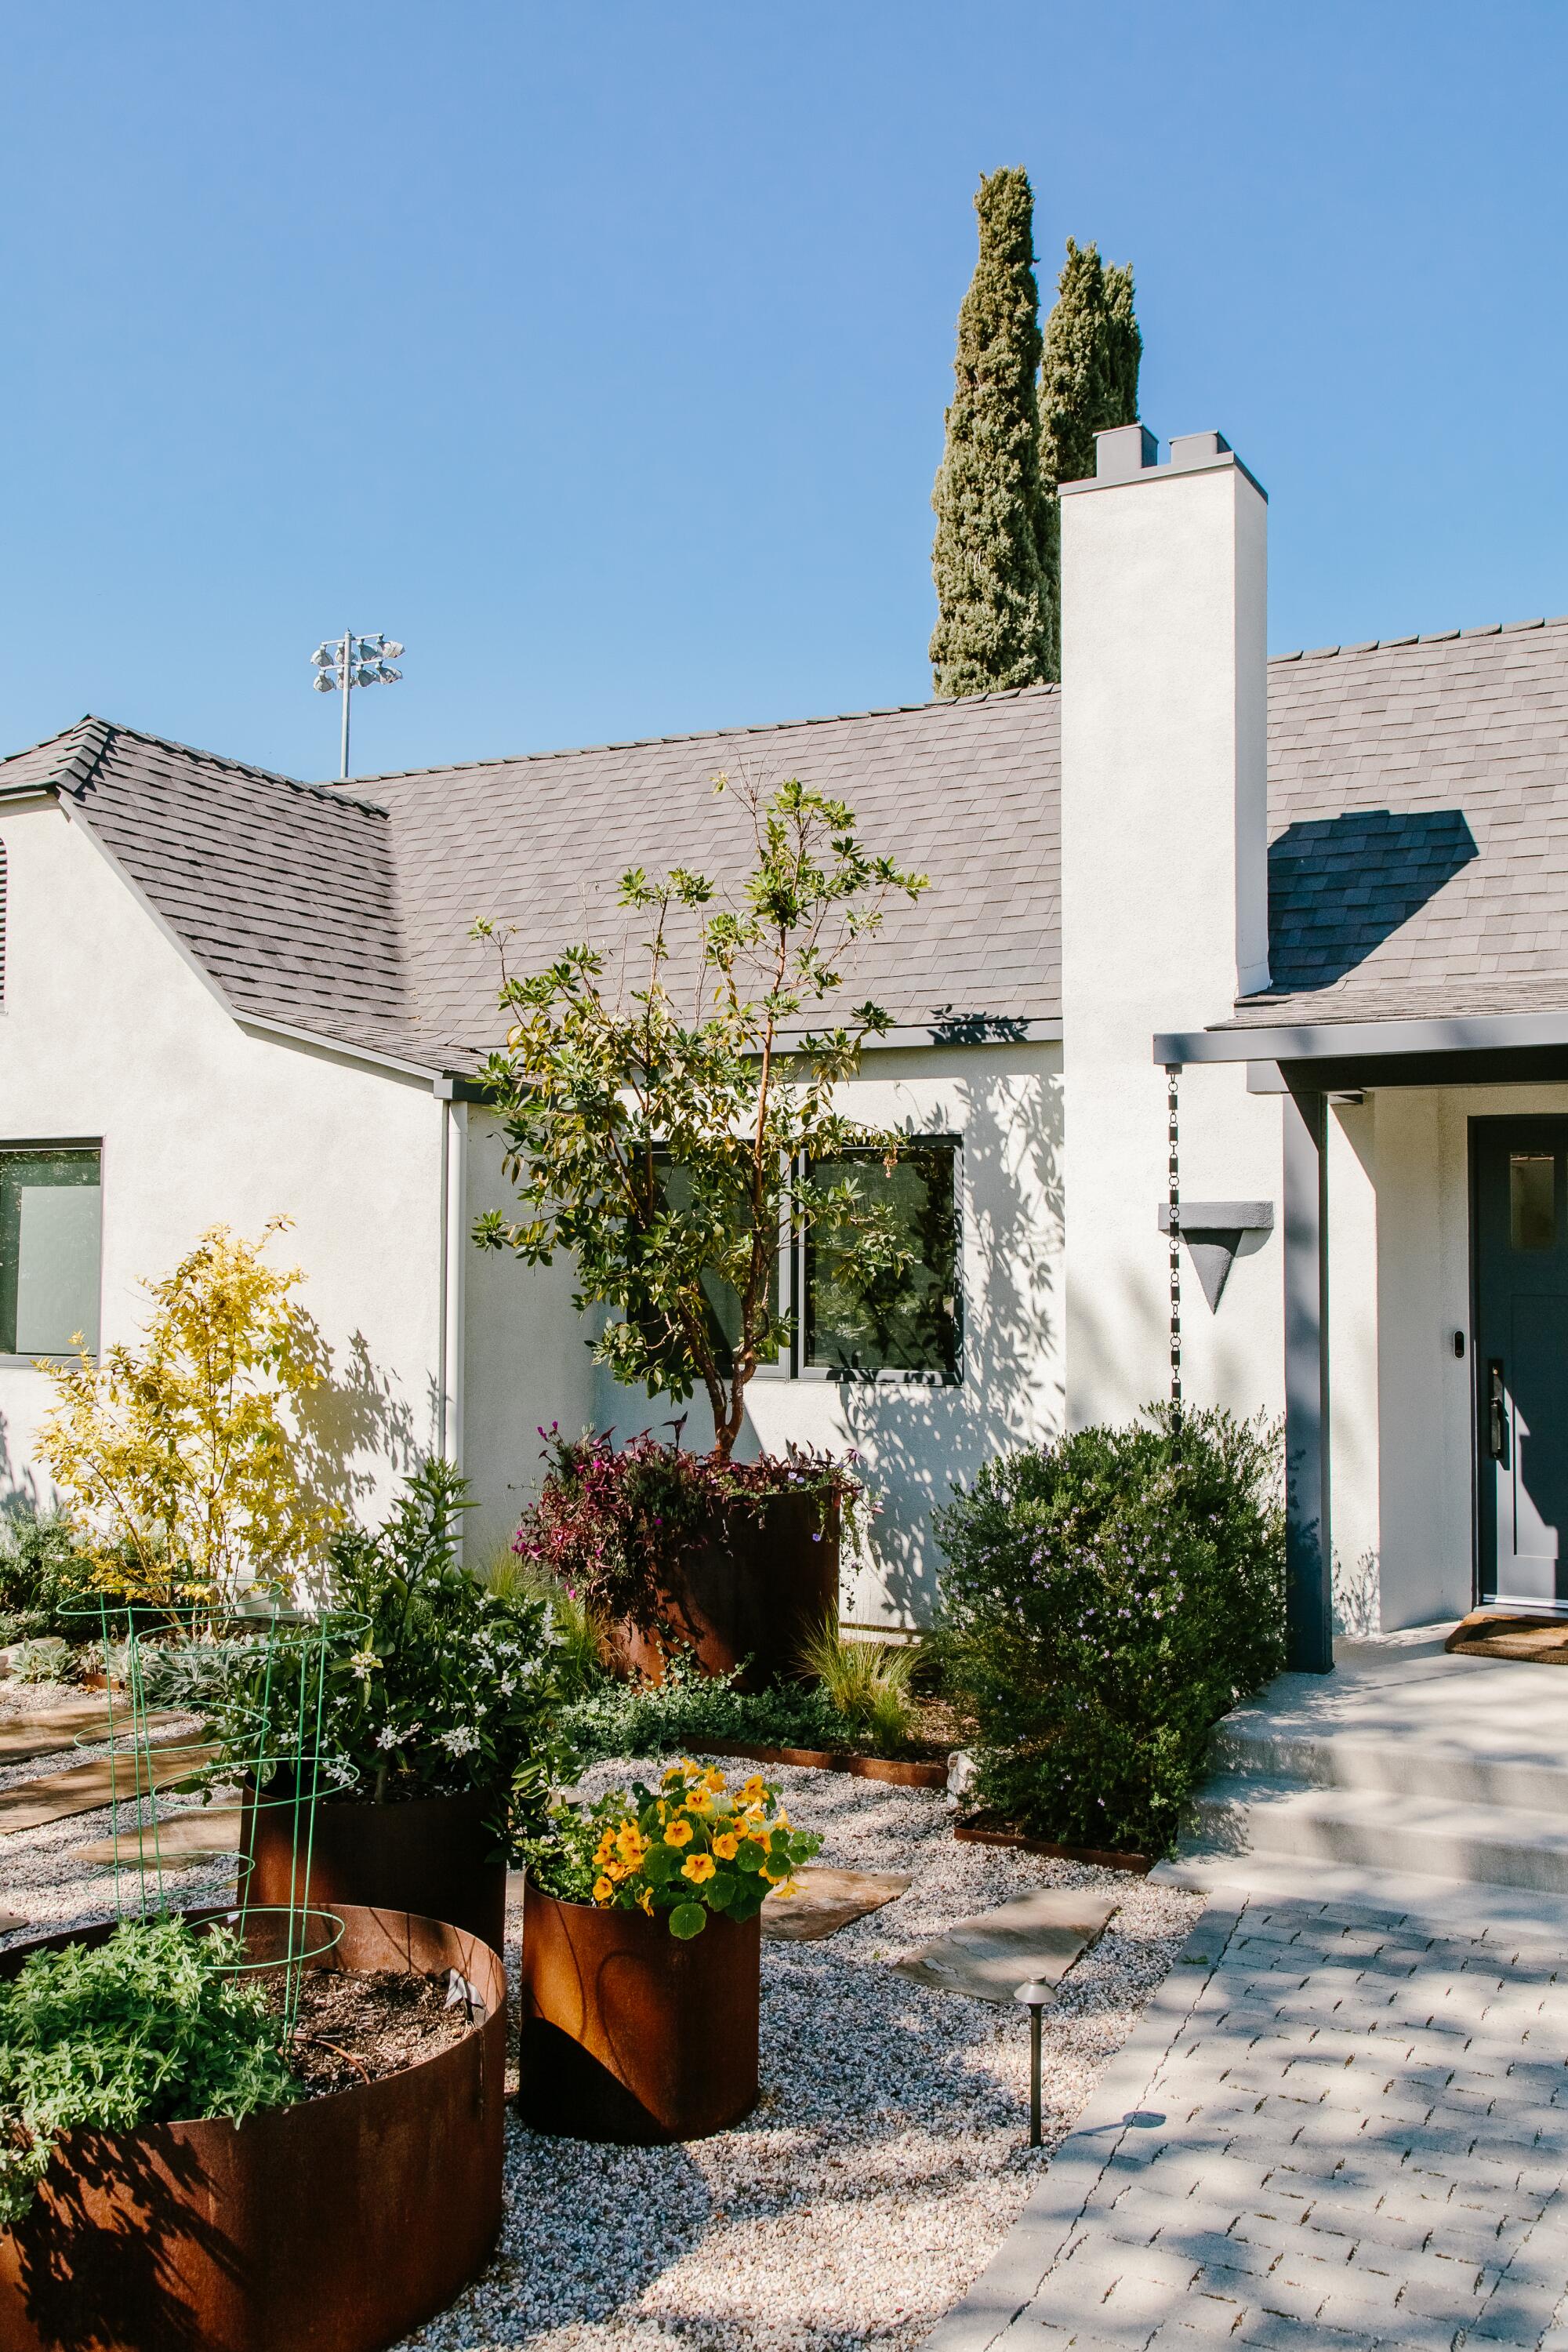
{"x": 108, "y": 1033}
{"x": 1004, "y": 1103}
{"x": 1164, "y": 591}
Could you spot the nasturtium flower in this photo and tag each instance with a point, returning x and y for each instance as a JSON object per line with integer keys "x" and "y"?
{"x": 699, "y": 1867}
{"x": 678, "y": 1832}
{"x": 603, "y": 1890}
{"x": 726, "y": 1845}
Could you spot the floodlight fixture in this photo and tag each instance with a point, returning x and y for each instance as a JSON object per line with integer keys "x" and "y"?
{"x": 343, "y": 663}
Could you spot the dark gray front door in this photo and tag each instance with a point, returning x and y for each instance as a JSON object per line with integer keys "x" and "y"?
{"x": 1521, "y": 1358}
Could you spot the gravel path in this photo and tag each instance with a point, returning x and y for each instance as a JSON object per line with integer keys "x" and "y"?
{"x": 884, "y": 2162}
{"x": 886, "y": 2159}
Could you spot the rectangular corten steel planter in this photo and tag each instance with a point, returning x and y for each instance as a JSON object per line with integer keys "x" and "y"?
{"x": 629, "y": 2032}
{"x": 334, "y": 2226}
{"x": 757, "y": 1595}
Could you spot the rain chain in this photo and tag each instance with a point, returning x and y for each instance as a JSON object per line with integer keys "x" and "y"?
{"x": 1172, "y": 1071}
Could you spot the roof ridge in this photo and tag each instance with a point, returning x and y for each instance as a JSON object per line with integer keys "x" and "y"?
{"x": 110, "y": 729}
{"x": 1427, "y": 638}
{"x": 709, "y": 734}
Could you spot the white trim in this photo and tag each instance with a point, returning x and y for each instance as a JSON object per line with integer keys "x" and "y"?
{"x": 1333, "y": 1041}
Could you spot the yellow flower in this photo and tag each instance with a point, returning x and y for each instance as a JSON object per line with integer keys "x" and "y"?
{"x": 699, "y": 1867}
{"x": 629, "y": 1844}
{"x": 677, "y": 1834}
{"x": 754, "y": 1791}
{"x": 714, "y": 1780}
{"x": 783, "y": 1888}
{"x": 603, "y": 1890}
{"x": 776, "y": 1877}
{"x": 699, "y": 1801}
{"x": 726, "y": 1845}
{"x": 645, "y": 1900}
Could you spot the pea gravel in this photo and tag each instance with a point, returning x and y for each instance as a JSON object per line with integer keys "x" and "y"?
{"x": 886, "y": 2160}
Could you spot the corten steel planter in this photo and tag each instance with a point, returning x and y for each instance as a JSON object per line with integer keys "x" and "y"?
{"x": 630, "y": 2034}
{"x": 334, "y": 2226}
{"x": 431, "y": 1855}
{"x": 758, "y": 1594}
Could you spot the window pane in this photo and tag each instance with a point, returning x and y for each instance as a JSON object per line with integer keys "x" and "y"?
{"x": 723, "y": 1300}
{"x": 1533, "y": 1201}
{"x": 48, "y": 1251}
{"x": 902, "y": 1322}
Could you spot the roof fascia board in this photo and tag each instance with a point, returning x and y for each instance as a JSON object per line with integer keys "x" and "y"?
{"x": 18, "y": 795}
{"x": 429, "y": 1073}
{"x": 978, "y": 1029}
{"x": 1324, "y": 1041}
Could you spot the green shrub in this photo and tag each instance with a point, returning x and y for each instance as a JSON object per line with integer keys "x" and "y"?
{"x": 689, "y": 1708}
{"x": 151, "y": 2026}
{"x": 866, "y": 1684}
{"x": 579, "y": 1633}
{"x": 1105, "y": 1600}
{"x": 46, "y": 1584}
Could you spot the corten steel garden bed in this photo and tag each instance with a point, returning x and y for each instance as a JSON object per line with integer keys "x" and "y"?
{"x": 431, "y": 1855}
{"x": 987, "y": 1832}
{"x": 751, "y": 1602}
{"x": 628, "y": 2032}
{"x": 901, "y": 1773}
{"x": 333, "y": 2226}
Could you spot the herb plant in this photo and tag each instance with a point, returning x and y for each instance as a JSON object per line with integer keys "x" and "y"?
{"x": 680, "y": 1853}
{"x": 151, "y": 2026}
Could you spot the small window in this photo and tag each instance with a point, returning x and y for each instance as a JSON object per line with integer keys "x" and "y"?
{"x": 48, "y": 1250}
{"x": 723, "y": 1302}
{"x": 1533, "y": 1201}
{"x": 907, "y": 1322}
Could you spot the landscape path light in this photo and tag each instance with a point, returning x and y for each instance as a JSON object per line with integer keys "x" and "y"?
{"x": 343, "y": 663}
{"x": 1035, "y": 1997}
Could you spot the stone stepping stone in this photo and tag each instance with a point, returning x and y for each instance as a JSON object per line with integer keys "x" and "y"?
{"x": 1035, "y": 1937}
{"x": 23, "y": 1737}
{"x": 88, "y": 1788}
{"x": 826, "y": 1900}
{"x": 10, "y": 1921}
{"x": 208, "y": 1834}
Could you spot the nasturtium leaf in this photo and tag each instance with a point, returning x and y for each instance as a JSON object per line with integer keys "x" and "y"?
{"x": 687, "y": 1919}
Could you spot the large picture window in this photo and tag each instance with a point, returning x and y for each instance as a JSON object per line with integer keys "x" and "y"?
{"x": 48, "y": 1249}
{"x": 857, "y": 1326}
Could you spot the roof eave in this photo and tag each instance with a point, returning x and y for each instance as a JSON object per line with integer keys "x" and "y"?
{"x": 1326, "y": 1041}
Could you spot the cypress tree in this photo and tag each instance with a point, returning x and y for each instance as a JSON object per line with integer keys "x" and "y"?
{"x": 1088, "y": 383}
{"x": 993, "y": 612}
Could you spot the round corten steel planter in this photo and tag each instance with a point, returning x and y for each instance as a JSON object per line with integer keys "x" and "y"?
{"x": 432, "y": 1855}
{"x": 757, "y": 1595}
{"x": 630, "y": 2034}
{"x": 334, "y": 2226}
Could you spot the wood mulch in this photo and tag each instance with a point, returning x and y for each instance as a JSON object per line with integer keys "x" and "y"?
{"x": 360, "y": 2025}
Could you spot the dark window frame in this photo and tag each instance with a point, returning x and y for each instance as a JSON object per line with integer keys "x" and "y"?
{"x": 15, "y": 1146}
{"x": 889, "y": 1377}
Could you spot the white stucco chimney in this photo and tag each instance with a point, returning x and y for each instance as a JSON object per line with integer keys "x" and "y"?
{"x": 1164, "y": 880}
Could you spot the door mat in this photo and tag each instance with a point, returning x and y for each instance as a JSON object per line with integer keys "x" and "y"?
{"x": 88, "y": 1788}
{"x": 1539, "y": 1641}
{"x": 826, "y": 1900}
{"x": 1035, "y": 1937}
{"x": 23, "y": 1737}
{"x": 209, "y": 1833}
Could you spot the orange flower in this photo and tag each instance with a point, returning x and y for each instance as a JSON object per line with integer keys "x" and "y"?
{"x": 699, "y": 1867}
{"x": 677, "y": 1834}
{"x": 603, "y": 1890}
{"x": 726, "y": 1845}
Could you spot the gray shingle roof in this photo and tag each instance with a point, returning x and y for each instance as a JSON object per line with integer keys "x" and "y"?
{"x": 1418, "y": 800}
{"x": 1418, "y": 814}
{"x": 964, "y": 791}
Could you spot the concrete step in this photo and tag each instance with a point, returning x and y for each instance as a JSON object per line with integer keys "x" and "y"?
{"x": 1271, "y": 1750}
{"x": 1510, "y": 1915}
{"x": 1433, "y": 1836}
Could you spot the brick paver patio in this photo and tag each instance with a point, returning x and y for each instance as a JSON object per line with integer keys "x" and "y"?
{"x": 1333, "y": 2128}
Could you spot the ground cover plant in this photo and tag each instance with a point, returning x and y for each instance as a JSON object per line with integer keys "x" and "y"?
{"x": 46, "y": 1583}
{"x": 151, "y": 2026}
{"x": 1105, "y": 1599}
{"x": 685, "y": 1851}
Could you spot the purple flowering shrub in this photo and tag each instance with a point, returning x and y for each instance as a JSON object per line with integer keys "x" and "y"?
{"x": 610, "y": 1522}
{"x": 1106, "y": 1599}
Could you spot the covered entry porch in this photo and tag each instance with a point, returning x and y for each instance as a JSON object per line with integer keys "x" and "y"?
{"x": 1446, "y": 1141}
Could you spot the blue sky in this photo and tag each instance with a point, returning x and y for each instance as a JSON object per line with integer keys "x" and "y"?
{"x": 599, "y": 351}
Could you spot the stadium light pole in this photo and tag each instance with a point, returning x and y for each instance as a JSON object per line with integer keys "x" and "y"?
{"x": 343, "y": 663}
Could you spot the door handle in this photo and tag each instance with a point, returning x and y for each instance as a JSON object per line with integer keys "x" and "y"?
{"x": 1496, "y": 1411}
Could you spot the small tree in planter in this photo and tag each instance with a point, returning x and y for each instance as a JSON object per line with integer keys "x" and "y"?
{"x": 666, "y": 1136}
